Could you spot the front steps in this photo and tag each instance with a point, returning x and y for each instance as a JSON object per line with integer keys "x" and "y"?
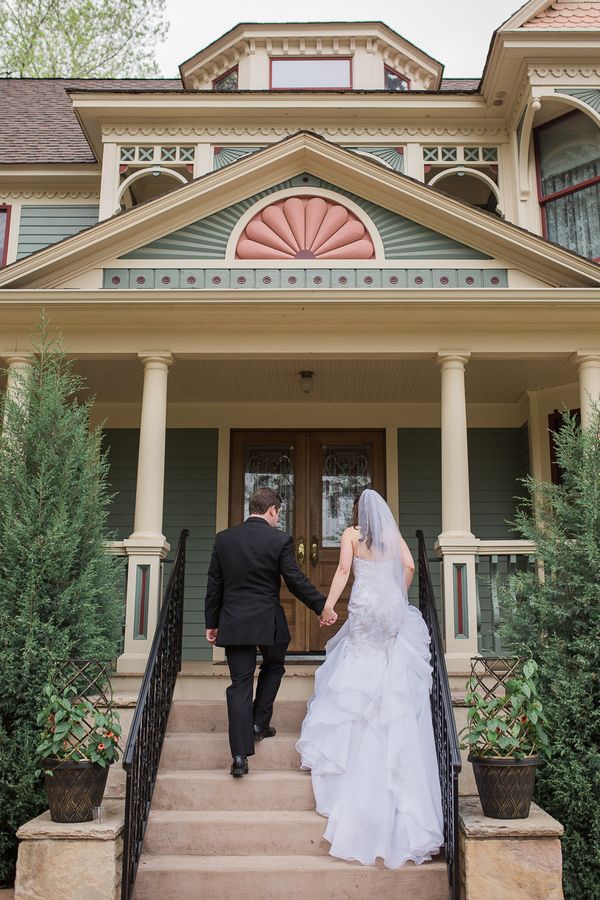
{"x": 252, "y": 837}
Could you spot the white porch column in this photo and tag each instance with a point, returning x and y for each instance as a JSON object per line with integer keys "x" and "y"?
{"x": 17, "y": 365}
{"x": 146, "y": 548}
{"x": 456, "y": 544}
{"x": 588, "y": 366}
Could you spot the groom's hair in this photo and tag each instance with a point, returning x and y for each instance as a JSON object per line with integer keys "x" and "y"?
{"x": 262, "y": 500}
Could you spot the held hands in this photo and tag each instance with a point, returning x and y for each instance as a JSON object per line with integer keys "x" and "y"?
{"x": 328, "y": 616}
{"x": 211, "y": 635}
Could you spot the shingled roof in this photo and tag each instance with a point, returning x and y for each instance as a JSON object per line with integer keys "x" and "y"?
{"x": 37, "y": 121}
{"x": 565, "y": 14}
{"x": 38, "y": 124}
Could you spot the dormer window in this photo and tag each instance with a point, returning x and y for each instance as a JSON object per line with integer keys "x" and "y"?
{"x": 394, "y": 81}
{"x": 227, "y": 82}
{"x": 311, "y": 73}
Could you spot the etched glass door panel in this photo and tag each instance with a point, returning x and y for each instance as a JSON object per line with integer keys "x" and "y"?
{"x": 272, "y": 467}
{"x": 342, "y": 464}
{"x": 346, "y": 471}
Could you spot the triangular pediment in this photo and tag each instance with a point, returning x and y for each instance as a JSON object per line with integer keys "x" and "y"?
{"x": 413, "y": 227}
{"x": 401, "y": 237}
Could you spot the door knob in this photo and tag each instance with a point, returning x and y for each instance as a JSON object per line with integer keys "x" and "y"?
{"x": 314, "y": 550}
{"x": 301, "y": 552}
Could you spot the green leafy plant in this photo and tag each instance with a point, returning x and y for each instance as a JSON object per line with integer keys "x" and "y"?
{"x": 509, "y": 726}
{"x": 73, "y": 729}
{"x": 555, "y": 619}
{"x": 60, "y": 592}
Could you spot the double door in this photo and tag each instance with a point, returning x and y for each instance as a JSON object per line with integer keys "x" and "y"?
{"x": 318, "y": 474}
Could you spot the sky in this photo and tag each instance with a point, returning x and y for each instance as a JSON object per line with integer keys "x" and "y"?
{"x": 456, "y": 33}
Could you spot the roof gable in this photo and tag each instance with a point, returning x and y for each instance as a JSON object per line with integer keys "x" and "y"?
{"x": 208, "y": 238}
{"x": 352, "y": 174}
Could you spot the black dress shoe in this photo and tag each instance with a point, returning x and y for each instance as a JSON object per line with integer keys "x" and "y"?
{"x": 239, "y": 766}
{"x": 260, "y": 733}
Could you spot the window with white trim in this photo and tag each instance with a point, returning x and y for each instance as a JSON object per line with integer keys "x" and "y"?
{"x": 4, "y": 223}
{"x": 311, "y": 73}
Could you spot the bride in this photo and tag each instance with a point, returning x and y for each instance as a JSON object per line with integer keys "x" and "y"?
{"x": 367, "y": 737}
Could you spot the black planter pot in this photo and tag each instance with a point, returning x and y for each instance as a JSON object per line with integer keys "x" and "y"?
{"x": 505, "y": 786}
{"x": 73, "y": 789}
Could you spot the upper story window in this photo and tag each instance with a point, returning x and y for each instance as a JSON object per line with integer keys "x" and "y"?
{"x": 311, "y": 73}
{"x": 4, "y": 222}
{"x": 227, "y": 82}
{"x": 568, "y": 168}
{"x": 394, "y": 81}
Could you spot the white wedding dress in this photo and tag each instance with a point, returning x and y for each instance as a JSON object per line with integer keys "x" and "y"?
{"x": 367, "y": 737}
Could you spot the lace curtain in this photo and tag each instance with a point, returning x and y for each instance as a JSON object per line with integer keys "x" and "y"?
{"x": 573, "y": 221}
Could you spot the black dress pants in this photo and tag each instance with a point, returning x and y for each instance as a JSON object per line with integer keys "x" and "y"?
{"x": 242, "y": 712}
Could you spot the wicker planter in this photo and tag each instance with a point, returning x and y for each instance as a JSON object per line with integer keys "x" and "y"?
{"x": 73, "y": 789}
{"x": 505, "y": 786}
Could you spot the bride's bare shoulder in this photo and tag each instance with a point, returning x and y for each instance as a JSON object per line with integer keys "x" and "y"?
{"x": 351, "y": 534}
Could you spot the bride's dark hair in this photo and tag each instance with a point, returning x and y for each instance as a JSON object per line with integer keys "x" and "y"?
{"x": 368, "y": 537}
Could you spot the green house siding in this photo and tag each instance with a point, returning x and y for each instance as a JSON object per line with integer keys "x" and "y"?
{"x": 420, "y": 496}
{"x": 189, "y": 502}
{"x": 46, "y": 224}
{"x": 402, "y": 238}
{"x": 498, "y": 457}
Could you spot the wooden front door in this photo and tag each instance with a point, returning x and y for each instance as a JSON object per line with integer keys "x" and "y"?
{"x": 318, "y": 474}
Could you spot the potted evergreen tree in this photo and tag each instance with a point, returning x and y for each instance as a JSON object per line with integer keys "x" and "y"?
{"x": 60, "y": 594}
{"x": 78, "y": 743}
{"x": 505, "y": 734}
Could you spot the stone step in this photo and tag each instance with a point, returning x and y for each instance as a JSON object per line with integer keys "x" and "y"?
{"x": 217, "y": 790}
{"x": 235, "y": 833}
{"x": 211, "y": 751}
{"x": 211, "y": 715}
{"x": 284, "y": 877}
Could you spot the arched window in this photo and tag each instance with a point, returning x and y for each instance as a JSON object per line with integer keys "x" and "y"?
{"x": 568, "y": 170}
{"x": 471, "y": 186}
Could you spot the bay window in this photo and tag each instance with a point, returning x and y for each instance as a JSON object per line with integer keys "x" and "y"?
{"x": 568, "y": 168}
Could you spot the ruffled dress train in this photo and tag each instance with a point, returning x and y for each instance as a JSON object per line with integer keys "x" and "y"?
{"x": 368, "y": 738}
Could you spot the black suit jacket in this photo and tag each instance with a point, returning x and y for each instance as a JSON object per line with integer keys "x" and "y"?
{"x": 244, "y": 578}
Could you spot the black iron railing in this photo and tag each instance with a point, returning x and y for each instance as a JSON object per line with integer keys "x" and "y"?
{"x": 444, "y": 726}
{"x": 144, "y": 745}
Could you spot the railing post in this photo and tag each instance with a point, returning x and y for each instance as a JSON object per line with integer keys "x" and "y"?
{"x": 141, "y": 757}
{"x": 444, "y": 725}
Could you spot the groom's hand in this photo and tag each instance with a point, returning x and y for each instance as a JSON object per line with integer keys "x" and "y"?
{"x": 211, "y": 635}
{"x": 328, "y": 616}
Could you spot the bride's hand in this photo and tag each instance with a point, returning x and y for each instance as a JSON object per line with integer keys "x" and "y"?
{"x": 328, "y": 616}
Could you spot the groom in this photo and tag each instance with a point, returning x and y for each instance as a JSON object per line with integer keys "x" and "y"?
{"x": 242, "y": 611}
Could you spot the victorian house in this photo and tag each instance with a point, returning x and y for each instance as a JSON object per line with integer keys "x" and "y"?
{"x": 311, "y": 261}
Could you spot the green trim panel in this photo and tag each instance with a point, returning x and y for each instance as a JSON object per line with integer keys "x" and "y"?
{"x": 207, "y": 238}
{"x": 49, "y": 223}
{"x": 189, "y": 502}
{"x": 244, "y": 279}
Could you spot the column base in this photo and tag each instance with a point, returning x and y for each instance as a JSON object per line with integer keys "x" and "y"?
{"x": 132, "y": 663}
{"x": 460, "y": 663}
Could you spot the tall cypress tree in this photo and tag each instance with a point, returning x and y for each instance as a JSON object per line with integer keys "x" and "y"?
{"x": 58, "y": 584}
{"x": 556, "y": 620}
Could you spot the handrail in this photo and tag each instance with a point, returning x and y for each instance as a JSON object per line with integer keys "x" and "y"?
{"x": 144, "y": 744}
{"x": 444, "y": 725}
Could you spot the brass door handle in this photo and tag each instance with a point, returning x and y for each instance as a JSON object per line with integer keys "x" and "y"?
{"x": 301, "y": 552}
{"x": 314, "y": 550}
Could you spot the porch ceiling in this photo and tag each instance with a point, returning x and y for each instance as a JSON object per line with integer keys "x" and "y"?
{"x": 335, "y": 380}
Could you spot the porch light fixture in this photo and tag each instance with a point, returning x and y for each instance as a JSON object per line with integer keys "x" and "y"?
{"x": 306, "y": 380}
